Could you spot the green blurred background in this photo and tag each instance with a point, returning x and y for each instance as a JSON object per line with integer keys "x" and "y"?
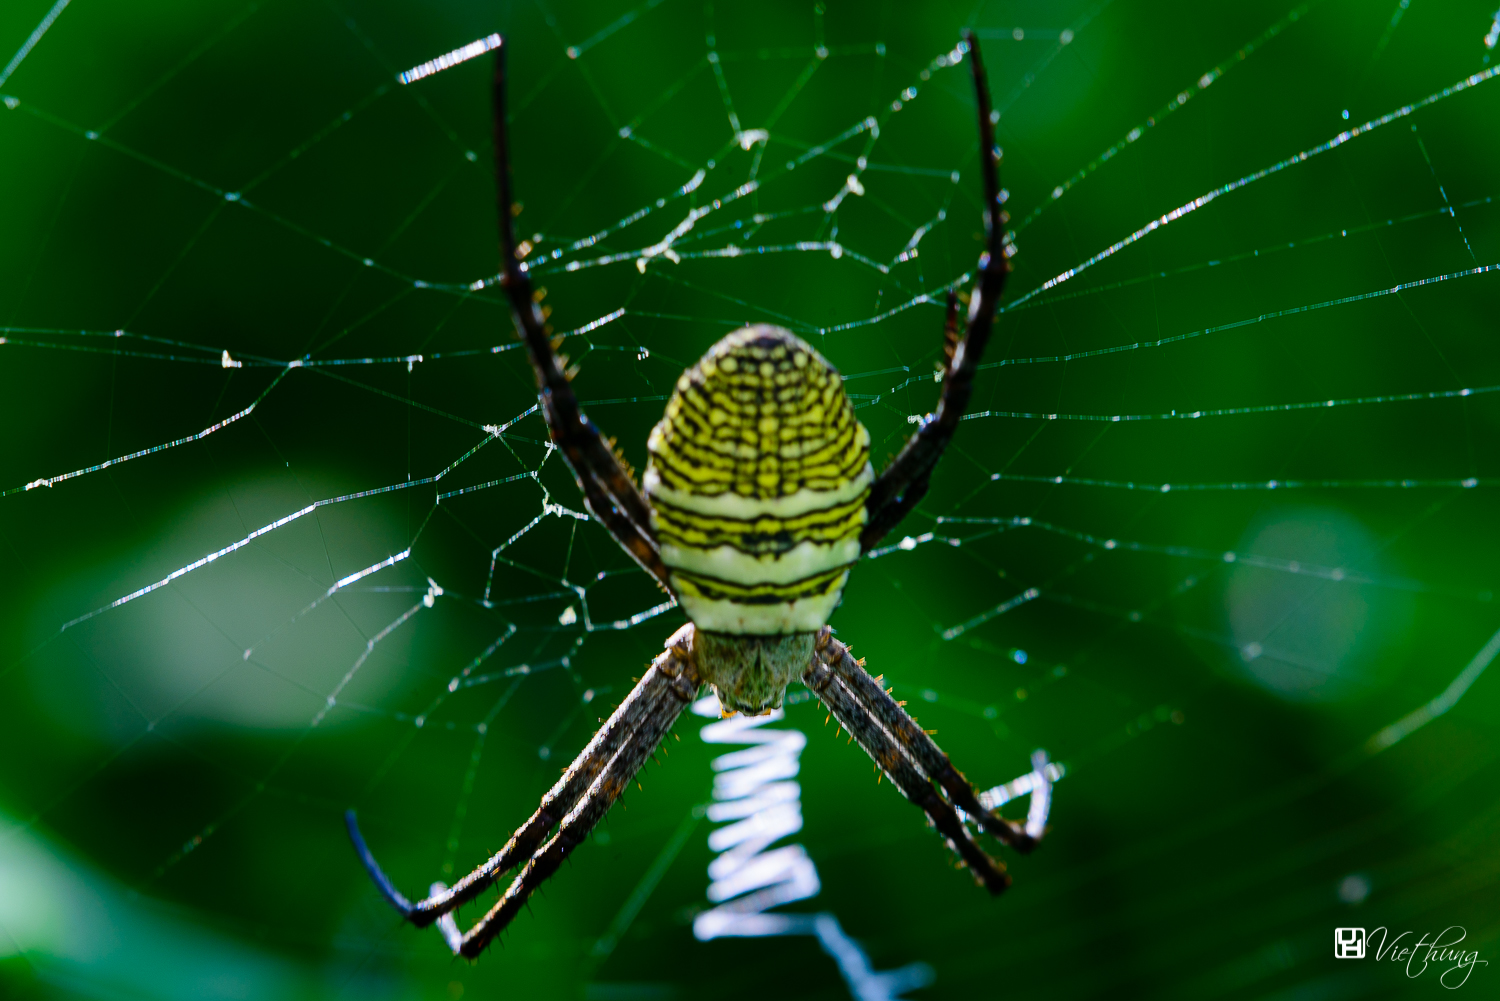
{"x": 170, "y": 811}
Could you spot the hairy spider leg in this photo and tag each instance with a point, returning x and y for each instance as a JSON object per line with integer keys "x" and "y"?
{"x": 607, "y": 489}
{"x": 657, "y": 695}
{"x": 904, "y": 482}
{"x": 916, "y": 742}
{"x": 646, "y": 732}
{"x": 447, "y": 925}
{"x": 916, "y": 787}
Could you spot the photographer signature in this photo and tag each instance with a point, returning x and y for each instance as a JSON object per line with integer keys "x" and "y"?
{"x": 1420, "y": 954}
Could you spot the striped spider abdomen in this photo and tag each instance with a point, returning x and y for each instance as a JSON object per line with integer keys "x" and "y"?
{"x": 757, "y": 480}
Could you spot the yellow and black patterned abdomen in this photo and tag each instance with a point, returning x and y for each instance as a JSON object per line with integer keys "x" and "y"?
{"x": 757, "y": 479}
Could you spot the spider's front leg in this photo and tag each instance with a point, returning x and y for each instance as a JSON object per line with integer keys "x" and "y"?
{"x": 651, "y": 707}
{"x": 916, "y": 742}
{"x": 679, "y": 673}
{"x": 894, "y": 759}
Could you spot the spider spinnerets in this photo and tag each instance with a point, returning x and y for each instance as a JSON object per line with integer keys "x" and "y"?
{"x": 758, "y": 478}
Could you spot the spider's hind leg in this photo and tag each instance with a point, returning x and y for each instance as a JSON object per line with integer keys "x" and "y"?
{"x": 902, "y": 484}
{"x": 608, "y": 490}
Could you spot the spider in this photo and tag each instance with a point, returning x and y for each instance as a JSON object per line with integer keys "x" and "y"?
{"x": 757, "y": 499}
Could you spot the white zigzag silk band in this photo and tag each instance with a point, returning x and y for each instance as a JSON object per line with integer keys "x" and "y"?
{"x": 759, "y": 802}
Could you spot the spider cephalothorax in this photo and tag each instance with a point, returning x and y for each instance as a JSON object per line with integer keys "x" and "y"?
{"x": 757, "y": 483}
{"x": 749, "y": 674}
{"x": 759, "y": 497}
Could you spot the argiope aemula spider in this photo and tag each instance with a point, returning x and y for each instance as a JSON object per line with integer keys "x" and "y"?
{"x": 758, "y": 498}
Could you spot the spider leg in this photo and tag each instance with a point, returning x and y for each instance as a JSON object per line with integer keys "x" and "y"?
{"x": 904, "y": 482}
{"x": 831, "y": 689}
{"x": 660, "y": 692}
{"x": 447, "y": 925}
{"x": 647, "y": 731}
{"x": 917, "y": 744}
{"x": 611, "y": 496}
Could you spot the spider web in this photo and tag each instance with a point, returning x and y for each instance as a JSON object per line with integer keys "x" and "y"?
{"x": 284, "y": 533}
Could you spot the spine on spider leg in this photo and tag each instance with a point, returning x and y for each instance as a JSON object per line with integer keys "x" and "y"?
{"x": 646, "y": 698}
{"x": 680, "y": 681}
{"x": 640, "y": 545}
{"x": 601, "y": 795}
{"x": 582, "y": 444}
{"x": 916, "y": 742}
{"x": 952, "y": 333}
{"x": 915, "y": 786}
{"x": 661, "y": 686}
{"x": 994, "y": 265}
{"x": 903, "y": 484}
{"x": 530, "y": 324}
